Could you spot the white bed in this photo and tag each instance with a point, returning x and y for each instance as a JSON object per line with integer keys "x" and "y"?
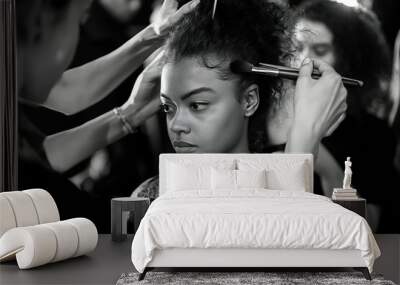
{"x": 198, "y": 223}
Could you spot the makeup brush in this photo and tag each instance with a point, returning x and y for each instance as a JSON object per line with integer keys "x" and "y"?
{"x": 240, "y": 66}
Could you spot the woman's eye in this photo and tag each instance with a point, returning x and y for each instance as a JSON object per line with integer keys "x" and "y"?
{"x": 166, "y": 108}
{"x": 198, "y": 106}
{"x": 321, "y": 50}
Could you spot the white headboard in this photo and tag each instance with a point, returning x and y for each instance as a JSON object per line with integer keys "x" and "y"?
{"x": 271, "y": 159}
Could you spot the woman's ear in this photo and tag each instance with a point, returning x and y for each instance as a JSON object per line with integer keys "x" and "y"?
{"x": 250, "y": 100}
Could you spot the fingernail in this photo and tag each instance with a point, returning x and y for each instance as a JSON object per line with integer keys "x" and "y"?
{"x": 307, "y": 60}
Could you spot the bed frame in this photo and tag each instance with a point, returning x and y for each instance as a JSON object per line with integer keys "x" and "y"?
{"x": 250, "y": 259}
{"x": 233, "y": 259}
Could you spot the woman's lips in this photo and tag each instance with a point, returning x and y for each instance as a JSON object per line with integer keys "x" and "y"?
{"x": 181, "y": 146}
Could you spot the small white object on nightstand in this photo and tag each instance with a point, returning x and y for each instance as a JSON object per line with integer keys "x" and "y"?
{"x": 347, "y": 174}
{"x": 347, "y": 192}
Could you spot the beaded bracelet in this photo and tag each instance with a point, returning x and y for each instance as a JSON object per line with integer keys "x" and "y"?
{"x": 126, "y": 126}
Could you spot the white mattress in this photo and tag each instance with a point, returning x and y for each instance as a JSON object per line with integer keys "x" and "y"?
{"x": 254, "y": 218}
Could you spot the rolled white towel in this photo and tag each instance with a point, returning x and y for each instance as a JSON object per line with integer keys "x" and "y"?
{"x": 45, "y": 205}
{"x": 7, "y": 218}
{"x": 23, "y": 208}
{"x": 66, "y": 238}
{"x": 33, "y": 246}
{"x": 87, "y": 235}
{"x": 40, "y": 244}
{"x": 26, "y": 208}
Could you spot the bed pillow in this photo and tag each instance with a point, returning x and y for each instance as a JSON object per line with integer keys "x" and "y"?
{"x": 185, "y": 174}
{"x": 280, "y": 174}
{"x": 293, "y": 179}
{"x": 181, "y": 177}
{"x": 225, "y": 179}
{"x": 251, "y": 178}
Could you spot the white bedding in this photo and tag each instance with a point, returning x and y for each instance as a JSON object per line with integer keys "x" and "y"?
{"x": 252, "y": 218}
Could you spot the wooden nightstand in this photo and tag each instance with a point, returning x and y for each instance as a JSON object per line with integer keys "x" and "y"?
{"x": 358, "y": 205}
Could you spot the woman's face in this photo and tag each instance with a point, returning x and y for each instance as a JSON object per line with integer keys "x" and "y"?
{"x": 313, "y": 40}
{"x": 204, "y": 113}
{"x": 50, "y": 50}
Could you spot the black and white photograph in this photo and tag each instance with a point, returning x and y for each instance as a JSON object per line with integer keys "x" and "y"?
{"x": 199, "y": 142}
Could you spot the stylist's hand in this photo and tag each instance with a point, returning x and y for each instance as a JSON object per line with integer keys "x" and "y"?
{"x": 145, "y": 97}
{"x": 319, "y": 107}
{"x": 319, "y": 104}
{"x": 170, "y": 15}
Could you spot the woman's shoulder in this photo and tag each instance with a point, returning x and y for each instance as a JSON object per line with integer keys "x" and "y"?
{"x": 147, "y": 189}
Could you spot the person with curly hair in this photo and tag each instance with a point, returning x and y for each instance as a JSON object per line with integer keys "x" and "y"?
{"x": 210, "y": 109}
{"x": 351, "y": 40}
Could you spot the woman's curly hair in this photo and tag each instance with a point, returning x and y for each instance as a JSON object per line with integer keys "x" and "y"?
{"x": 251, "y": 30}
{"x": 361, "y": 51}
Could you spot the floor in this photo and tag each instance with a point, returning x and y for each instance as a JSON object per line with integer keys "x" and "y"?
{"x": 389, "y": 262}
{"x": 106, "y": 264}
{"x": 102, "y": 266}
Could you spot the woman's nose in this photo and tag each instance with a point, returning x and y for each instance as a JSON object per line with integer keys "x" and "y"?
{"x": 180, "y": 123}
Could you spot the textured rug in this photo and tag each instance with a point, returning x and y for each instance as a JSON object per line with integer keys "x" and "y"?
{"x": 243, "y": 278}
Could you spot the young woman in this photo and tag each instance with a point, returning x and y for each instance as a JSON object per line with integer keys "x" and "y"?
{"x": 211, "y": 109}
{"x": 48, "y": 32}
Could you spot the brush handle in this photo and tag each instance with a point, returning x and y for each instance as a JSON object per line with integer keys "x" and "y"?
{"x": 294, "y": 75}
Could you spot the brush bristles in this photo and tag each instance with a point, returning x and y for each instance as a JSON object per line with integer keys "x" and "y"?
{"x": 239, "y": 66}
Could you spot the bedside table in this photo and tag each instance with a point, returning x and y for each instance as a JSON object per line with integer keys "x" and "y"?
{"x": 120, "y": 211}
{"x": 358, "y": 206}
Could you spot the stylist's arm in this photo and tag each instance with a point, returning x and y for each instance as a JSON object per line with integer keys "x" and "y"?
{"x": 85, "y": 85}
{"x": 65, "y": 149}
{"x": 319, "y": 107}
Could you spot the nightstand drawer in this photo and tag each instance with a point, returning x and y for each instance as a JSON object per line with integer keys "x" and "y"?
{"x": 358, "y": 206}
